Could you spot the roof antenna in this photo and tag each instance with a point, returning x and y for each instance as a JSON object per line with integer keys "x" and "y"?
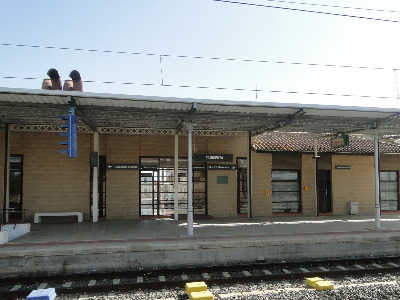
{"x": 397, "y": 85}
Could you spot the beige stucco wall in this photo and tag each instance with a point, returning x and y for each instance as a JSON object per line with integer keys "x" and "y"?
{"x": 390, "y": 162}
{"x": 308, "y": 185}
{"x": 261, "y": 182}
{"x": 356, "y": 184}
{"x": 1, "y": 167}
{"x": 123, "y": 186}
{"x": 51, "y": 181}
{"x": 222, "y": 198}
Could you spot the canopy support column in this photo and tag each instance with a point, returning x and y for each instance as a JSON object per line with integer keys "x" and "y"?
{"x": 249, "y": 182}
{"x": 176, "y": 170}
{"x": 377, "y": 184}
{"x": 190, "y": 182}
{"x": 316, "y": 176}
{"x": 95, "y": 185}
{"x": 6, "y": 182}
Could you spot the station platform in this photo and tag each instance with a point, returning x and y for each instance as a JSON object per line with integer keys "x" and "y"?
{"x": 60, "y": 248}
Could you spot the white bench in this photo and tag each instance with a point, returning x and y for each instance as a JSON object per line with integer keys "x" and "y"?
{"x": 38, "y": 216}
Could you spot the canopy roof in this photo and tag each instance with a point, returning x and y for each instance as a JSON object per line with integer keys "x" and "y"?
{"x": 44, "y": 107}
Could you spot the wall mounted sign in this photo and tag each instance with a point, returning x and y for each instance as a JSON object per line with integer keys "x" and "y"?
{"x": 199, "y": 168}
{"x": 222, "y": 167}
{"x": 122, "y": 167}
{"x": 213, "y": 157}
{"x": 222, "y": 179}
{"x": 148, "y": 167}
{"x": 342, "y": 167}
{"x": 340, "y": 141}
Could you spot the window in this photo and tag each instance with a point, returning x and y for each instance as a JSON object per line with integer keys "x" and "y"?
{"x": 389, "y": 190}
{"x": 16, "y": 180}
{"x": 286, "y": 196}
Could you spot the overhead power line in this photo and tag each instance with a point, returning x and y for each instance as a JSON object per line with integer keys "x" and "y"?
{"x": 306, "y": 11}
{"x": 216, "y": 88}
{"x": 195, "y": 57}
{"x": 334, "y": 6}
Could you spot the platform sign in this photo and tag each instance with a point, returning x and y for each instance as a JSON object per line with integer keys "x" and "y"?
{"x": 340, "y": 141}
{"x": 213, "y": 157}
{"x": 222, "y": 167}
{"x": 122, "y": 167}
{"x": 342, "y": 167}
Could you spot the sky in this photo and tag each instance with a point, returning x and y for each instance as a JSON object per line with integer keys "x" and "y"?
{"x": 287, "y": 33}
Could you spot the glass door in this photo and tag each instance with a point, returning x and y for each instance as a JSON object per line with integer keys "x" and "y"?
{"x": 242, "y": 201}
{"x": 157, "y": 194}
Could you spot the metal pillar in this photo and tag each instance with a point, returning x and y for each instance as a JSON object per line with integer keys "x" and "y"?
{"x": 176, "y": 170}
{"x": 377, "y": 184}
{"x": 316, "y": 176}
{"x": 6, "y": 182}
{"x": 190, "y": 182}
{"x": 249, "y": 203}
{"x": 95, "y": 185}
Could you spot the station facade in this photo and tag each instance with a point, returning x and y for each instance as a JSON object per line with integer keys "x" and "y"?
{"x": 136, "y": 176}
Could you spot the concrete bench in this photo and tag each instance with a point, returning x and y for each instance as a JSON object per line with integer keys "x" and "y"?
{"x": 38, "y": 216}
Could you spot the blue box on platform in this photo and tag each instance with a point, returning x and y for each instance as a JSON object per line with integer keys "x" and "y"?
{"x": 42, "y": 294}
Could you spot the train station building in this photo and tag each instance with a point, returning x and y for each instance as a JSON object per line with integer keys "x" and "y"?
{"x": 153, "y": 157}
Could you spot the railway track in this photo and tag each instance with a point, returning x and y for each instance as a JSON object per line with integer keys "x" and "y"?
{"x": 20, "y": 287}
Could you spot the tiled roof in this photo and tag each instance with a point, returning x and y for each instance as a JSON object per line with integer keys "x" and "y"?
{"x": 304, "y": 142}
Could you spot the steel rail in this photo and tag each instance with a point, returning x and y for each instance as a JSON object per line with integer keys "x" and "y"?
{"x": 124, "y": 287}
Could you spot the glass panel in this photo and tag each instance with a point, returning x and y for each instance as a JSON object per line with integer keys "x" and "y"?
{"x": 285, "y": 196}
{"x": 393, "y": 176}
{"x": 157, "y": 187}
{"x": 386, "y": 196}
{"x": 284, "y": 175}
{"x": 384, "y": 176}
{"x": 15, "y": 159}
{"x": 285, "y": 186}
{"x": 199, "y": 187}
{"x": 388, "y": 187}
{"x": 147, "y": 210}
{"x": 182, "y": 163}
{"x": 167, "y": 162}
{"x": 199, "y": 176}
{"x": 182, "y": 176}
{"x": 286, "y": 207}
{"x": 242, "y": 163}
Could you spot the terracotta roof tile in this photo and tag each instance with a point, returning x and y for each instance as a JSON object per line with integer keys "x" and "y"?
{"x": 304, "y": 142}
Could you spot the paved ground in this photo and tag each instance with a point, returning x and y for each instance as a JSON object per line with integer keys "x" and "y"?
{"x": 167, "y": 228}
{"x": 163, "y": 243}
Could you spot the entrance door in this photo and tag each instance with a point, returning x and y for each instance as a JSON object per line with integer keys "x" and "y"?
{"x": 242, "y": 201}
{"x": 324, "y": 191}
{"x": 157, "y": 195}
{"x": 149, "y": 193}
